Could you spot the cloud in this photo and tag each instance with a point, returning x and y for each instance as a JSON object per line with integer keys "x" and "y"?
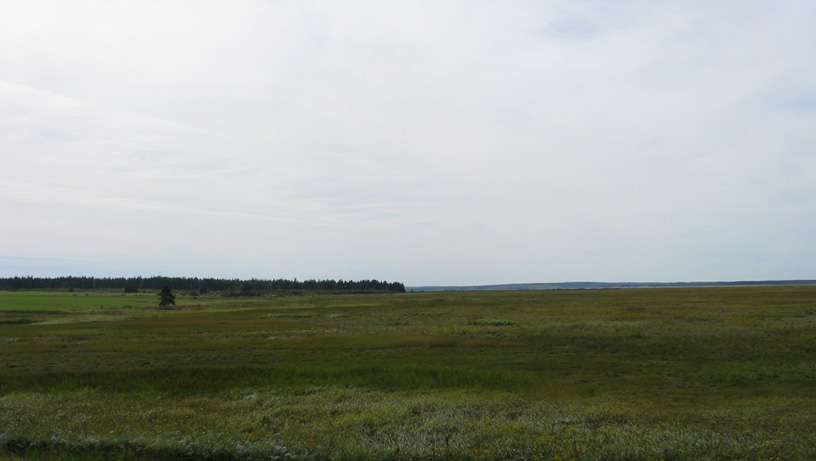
{"x": 434, "y": 143}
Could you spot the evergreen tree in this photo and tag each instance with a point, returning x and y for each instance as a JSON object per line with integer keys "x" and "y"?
{"x": 167, "y": 297}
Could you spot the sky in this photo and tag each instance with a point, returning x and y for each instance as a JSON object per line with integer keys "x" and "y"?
{"x": 458, "y": 142}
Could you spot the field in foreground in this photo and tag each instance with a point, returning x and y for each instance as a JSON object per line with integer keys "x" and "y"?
{"x": 713, "y": 373}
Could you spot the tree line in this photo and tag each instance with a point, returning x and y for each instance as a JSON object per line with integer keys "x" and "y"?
{"x": 201, "y": 285}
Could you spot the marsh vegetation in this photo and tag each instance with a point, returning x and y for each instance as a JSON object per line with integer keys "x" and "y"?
{"x": 685, "y": 373}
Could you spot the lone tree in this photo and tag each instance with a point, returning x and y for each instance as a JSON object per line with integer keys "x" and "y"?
{"x": 167, "y": 297}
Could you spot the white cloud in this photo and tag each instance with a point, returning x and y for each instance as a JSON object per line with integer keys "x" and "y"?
{"x": 455, "y": 142}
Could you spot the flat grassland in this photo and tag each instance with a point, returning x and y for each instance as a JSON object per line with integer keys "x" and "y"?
{"x": 687, "y": 373}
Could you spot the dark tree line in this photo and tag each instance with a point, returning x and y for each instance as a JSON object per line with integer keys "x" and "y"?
{"x": 202, "y": 285}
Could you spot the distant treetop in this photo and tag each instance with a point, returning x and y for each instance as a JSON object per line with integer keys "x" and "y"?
{"x": 203, "y": 285}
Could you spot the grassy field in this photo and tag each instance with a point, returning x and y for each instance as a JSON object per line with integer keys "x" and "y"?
{"x": 708, "y": 373}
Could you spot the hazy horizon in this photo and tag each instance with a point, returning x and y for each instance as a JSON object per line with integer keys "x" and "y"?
{"x": 431, "y": 143}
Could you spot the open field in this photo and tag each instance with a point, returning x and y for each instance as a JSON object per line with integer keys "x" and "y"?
{"x": 687, "y": 373}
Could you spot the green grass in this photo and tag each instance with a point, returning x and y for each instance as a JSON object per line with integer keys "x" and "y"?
{"x": 40, "y": 301}
{"x": 713, "y": 373}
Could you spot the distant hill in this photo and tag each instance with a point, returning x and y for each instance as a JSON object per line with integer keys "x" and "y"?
{"x": 601, "y": 285}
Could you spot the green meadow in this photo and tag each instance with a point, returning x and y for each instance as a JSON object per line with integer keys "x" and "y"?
{"x": 674, "y": 373}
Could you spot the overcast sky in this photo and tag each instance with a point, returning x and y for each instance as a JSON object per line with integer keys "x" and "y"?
{"x": 428, "y": 142}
